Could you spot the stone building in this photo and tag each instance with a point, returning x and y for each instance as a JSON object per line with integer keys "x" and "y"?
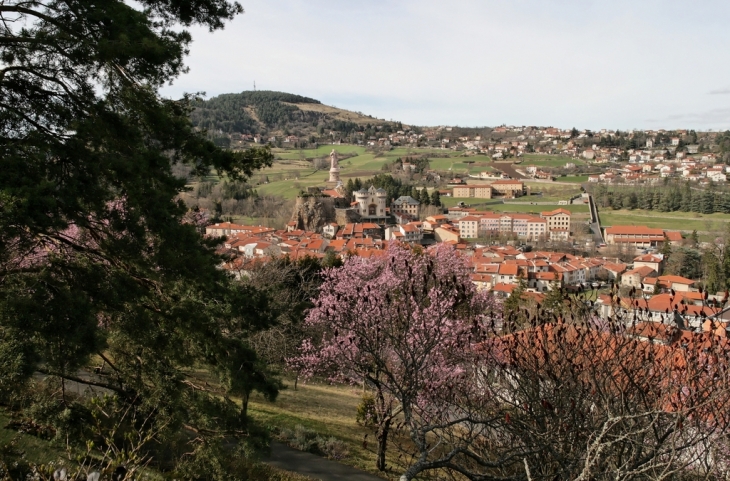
{"x": 406, "y": 204}
{"x": 371, "y": 204}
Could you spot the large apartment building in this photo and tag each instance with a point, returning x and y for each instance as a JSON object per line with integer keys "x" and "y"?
{"x": 509, "y": 188}
{"x": 558, "y": 223}
{"x": 635, "y": 236}
{"x": 486, "y": 224}
{"x": 506, "y": 188}
{"x": 474, "y": 191}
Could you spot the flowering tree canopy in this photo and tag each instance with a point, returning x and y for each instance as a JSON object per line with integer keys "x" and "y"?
{"x": 401, "y": 323}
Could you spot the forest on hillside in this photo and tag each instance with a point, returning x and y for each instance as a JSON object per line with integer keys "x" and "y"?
{"x": 272, "y": 113}
{"x": 228, "y": 112}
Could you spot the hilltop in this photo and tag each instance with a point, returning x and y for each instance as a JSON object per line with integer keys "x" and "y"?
{"x": 269, "y": 113}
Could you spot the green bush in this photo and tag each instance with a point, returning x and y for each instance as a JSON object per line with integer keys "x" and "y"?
{"x": 366, "y": 414}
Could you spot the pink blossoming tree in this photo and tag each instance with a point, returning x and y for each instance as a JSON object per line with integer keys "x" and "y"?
{"x": 402, "y": 324}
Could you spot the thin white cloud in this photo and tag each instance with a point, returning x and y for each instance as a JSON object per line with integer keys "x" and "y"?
{"x": 720, "y": 92}
{"x": 592, "y": 64}
{"x": 715, "y": 117}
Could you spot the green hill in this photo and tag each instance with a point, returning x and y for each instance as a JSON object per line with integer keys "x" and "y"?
{"x": 269, "y": 112}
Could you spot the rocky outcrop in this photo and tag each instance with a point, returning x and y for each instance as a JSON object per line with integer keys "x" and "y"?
{"x": 313, "y": 212}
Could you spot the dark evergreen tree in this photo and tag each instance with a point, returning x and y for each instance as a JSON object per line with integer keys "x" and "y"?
{"x": 425, "y": 199}
{"x": 630, "y": 201}
{"x": 96, "y": 259}
{"x": 708, "y": 202}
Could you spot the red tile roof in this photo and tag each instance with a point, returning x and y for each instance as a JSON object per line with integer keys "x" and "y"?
{"x": 634, "y": 230}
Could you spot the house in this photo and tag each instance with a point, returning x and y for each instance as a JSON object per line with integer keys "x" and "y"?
{"x": 469, "y": 227}
{"x": 406, "y": 204}
{"x": 359, "y": 231}
{"x": 635, "y": 277}
{"x": 330, "y": 230}
{"x": 655, "y": 261}
{"x": 678, "y": 283}
{"x": 673, "y": 237}
{"x": 224, "y": 229}
{"x": 446, "y": 233}
{"x": 433, "y": 221}
{"x": 507, "y": 274}
{"x": 410, "y": 232}
{"x": 614, "y": 270}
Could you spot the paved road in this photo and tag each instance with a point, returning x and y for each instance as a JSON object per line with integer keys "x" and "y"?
{"x": 316, "y": 467}
{"x": 595, "y": 222}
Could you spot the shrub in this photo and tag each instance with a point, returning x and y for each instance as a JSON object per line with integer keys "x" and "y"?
{"x": 333, "y": 448}
{"x": 366, "y": 414}
{"x": 300, "y": 438}
{"x": 309, "y": 441}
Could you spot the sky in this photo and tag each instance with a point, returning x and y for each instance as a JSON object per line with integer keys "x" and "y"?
{"x": 587, "y": 64}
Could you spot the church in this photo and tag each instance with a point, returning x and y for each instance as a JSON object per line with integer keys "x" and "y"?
{"x": 371, "y": 204}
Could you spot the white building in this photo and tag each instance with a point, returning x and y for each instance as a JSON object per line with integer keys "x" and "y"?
{"x": 371, "y": 203}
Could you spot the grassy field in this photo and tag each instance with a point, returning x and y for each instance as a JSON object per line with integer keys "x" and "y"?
{"x": 452, "y": 201}
{"x": 458, "y": 165}
{"x": 551, "y": 191}
{"x": 575, "y": 209}
{"x": 35, "y": 449}
{"x": 579, "y": 179}
{"x": 291, "y": 187}
{"x": 684, "y": 221}
{"x": 321, "y": 151}
{"x": 328, "y": 410}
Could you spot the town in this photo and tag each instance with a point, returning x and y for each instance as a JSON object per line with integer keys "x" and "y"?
{"x": 423, "y": 241}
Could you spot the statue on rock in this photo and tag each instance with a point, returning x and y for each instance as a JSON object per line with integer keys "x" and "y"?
{"x": 334, "y": 167}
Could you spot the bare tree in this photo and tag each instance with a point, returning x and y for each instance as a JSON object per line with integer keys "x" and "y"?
{"x": 587, "y": 400}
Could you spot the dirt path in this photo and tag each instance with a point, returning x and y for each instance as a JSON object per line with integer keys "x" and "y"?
{"x": 316, "y": 467}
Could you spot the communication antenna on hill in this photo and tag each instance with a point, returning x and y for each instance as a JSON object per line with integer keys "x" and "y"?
{"x": 254, "y": 85}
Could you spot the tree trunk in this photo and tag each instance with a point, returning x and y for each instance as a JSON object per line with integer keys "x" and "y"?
{"x": 244, "y": 406}
{"x": 383, "y": 443}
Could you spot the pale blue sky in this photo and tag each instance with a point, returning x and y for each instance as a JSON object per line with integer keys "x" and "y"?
{"x": 589, "y": 64}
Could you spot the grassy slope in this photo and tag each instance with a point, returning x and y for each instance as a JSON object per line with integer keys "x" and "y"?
{"x": 579, "y": 179}
{"x": 329, "y": 410}
{"x": 35, "y": 449}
